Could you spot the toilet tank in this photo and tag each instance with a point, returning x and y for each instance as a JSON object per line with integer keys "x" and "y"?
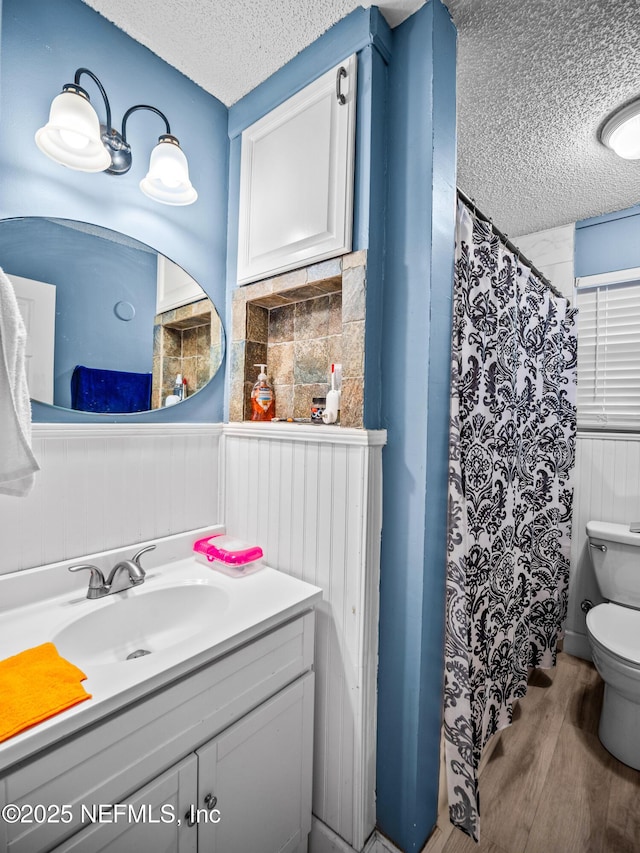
{"x": 617, "y": 568}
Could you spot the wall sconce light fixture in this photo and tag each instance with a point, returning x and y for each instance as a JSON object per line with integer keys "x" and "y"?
{"x": 621, "y": 131}
{"x": 74, "y": 137}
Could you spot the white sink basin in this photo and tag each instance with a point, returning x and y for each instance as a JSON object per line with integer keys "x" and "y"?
{"x": 126, "y": 628}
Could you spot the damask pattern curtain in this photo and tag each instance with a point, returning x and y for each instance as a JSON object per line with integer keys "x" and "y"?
{"x": 511, "y": 454}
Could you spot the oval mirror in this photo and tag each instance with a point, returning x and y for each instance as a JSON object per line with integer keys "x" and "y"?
{"x": 113, "y": 326}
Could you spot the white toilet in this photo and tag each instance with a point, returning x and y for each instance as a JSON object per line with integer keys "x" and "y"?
{"x": 613, "y": 629}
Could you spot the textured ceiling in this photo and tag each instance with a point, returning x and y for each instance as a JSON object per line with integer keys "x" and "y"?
{"x": 535, "y": 81}
{"x": 229, "y": 46}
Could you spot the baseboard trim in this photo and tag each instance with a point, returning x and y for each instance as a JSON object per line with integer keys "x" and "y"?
{"x": 324, "y": 840}
{"x": 577, "y": 645}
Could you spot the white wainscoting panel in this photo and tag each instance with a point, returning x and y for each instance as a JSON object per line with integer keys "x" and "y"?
{"x": 105, "y": 485}
{"x": 311, "y": 496}
{"x": 607, "y": 488}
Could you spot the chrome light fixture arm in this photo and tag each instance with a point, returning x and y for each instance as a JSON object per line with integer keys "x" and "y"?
{"x": 119, "y": 148}
{"x": 75, "y": 137}
{"x": 79, "y": 90}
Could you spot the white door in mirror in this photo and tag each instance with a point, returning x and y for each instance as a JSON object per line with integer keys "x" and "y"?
{"x": 37, "y": 304}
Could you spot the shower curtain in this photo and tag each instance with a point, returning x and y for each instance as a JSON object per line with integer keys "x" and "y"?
{"x": 511, "y": 454}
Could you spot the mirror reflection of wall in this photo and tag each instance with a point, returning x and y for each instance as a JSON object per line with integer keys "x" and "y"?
{"x": 114, "y": 315}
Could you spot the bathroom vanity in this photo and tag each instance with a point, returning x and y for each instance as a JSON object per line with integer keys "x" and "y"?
{"x": 205, "y": 743}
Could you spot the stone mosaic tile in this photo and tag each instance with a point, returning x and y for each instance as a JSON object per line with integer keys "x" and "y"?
{"x": 254, "y": 353}
{"x": 311, "y": 319}
{"x": 215, "y": 326}
{"x": 167, "y": 316}
{"x": 280, "y": 363}
{"x": 257, "y": 323}
{"x": 334, "y": 352}
{"x": 203, "y": 371}
{"x": 238, "y": 316}
{"x": 354, "y": 259}
{"x": 353, "y": 350}
{"x": 237, "y": 363}
{"x": 324, "y": 269}
{"x": 284, "y": 401}
{"x": 308, "y": 291}
{"x": 303, "y": 397}
{"x": 334, "y": 326}
{"x": 275, "y": 300}
{"x": 203, "y": 308}
{"x": 281, "y": 324}
{"x": 171, "y": 343}
{"x": 288, "y": 280}
{"x": 310, "y": 361}
{"x": 183, "y": 312}
{"x": 351, "y": 403}
{"x": 189, "y": 343}
{"x": 316, "y": 316}
{"x": 329, "y": 285}
{"x": 236, "y": 401}
{"x": 257, "y": 289}
{"x": 353, "y": 294}
{"x": 204, "y": 339}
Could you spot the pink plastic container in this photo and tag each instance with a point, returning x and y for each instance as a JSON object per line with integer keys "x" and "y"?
{"x": 229, "y": 555}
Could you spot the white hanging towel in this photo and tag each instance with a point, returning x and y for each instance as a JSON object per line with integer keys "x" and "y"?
{"x": 17, "y": 462}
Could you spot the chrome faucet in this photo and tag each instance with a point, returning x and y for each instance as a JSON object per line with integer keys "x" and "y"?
{"x": 124, "y": 575}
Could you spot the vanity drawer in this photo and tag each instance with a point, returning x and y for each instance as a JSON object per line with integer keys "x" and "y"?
{"x": 121, "y": 753}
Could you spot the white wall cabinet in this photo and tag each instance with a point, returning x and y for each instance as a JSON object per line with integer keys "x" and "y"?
{"x": 175, "y": 287}
{"x": 296, "y": 178}
{"x": 239, "y": 730}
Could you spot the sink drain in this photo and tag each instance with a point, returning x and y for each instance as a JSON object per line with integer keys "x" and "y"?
{"x": 139, "y": 653}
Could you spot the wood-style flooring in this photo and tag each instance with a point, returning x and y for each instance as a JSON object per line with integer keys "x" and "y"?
{"x": 549, "y": 786}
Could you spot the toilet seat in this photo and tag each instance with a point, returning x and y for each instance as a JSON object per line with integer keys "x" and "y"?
{"x": 617, "y": 630}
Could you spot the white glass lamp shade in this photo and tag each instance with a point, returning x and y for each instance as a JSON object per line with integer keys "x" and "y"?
{"x": 621, "y": 132}
{"x": 72, "y": 135}
{"x": 167, "y": 180}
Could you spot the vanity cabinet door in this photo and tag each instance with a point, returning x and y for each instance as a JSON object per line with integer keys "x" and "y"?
{"x": 259, "y": 771}
{"x": 152, "y": 819}
{"x": 296, "y": 178}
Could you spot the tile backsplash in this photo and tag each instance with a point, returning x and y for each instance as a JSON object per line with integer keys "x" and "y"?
{"x": 298, "y": 324}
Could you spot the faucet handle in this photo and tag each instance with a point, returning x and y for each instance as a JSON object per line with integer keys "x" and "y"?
{"x": 96, "y": 581}
{"x": 136, "y": 557}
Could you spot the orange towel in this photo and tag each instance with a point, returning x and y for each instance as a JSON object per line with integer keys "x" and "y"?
{"x": 35, "y": 685}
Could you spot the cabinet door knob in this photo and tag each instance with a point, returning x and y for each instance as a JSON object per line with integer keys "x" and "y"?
{"x": 189, "y": 817}
{"x": 341, "y": 73}
{"x": 210, "y": 801}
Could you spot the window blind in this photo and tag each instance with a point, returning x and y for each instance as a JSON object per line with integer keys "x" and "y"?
{"x": 608, "y": 393}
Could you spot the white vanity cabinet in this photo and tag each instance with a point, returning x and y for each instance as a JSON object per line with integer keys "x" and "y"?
{"x": 143, "y": 828}
{"x": 239, "y": 730}
{"x": 296, "y": 178}
{"x": 258, "y": 771}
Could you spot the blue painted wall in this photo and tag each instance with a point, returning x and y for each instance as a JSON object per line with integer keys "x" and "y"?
{"x": 42, "y": 44}
{"x": 91, "y": 275}
{"x": 607, "y": 243}
{"x": 366, "y": 33}
{"x": 405, "y": 218}
{"x": 415, "y": 410}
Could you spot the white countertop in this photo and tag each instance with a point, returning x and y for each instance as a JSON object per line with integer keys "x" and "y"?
{"x": 254, "y": 605}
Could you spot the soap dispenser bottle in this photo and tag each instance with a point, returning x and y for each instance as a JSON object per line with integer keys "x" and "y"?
{"x": 263, "y": 404}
